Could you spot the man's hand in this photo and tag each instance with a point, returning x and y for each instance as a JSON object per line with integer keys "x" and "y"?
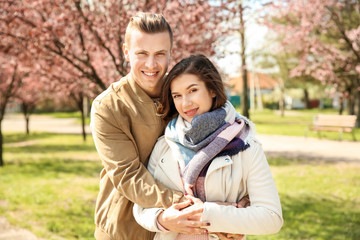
{"x": 178, "y": 219}
{"x": 229, "y": 236}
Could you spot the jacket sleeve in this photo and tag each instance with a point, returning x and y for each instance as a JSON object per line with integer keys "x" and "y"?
{"x": 264, "y": 216}
{"x": 121, "y": 161}
{"x": 147, "y": 217}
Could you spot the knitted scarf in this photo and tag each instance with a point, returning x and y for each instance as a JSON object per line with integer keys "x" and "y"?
{"x": 212, "y": 134}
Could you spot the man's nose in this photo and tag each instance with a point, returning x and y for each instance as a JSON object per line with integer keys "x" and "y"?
{"x": 151, "y": 62}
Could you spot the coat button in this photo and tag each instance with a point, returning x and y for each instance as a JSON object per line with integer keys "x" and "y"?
{"x": 227, "y": 159}
{"x": 162, "y": 160}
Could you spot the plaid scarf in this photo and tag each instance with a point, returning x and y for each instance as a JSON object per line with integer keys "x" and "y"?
{"x": 210, "y": 135}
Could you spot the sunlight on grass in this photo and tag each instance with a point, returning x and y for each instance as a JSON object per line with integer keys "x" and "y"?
{"x": 50, "y": 182}
{"x": 319, "y": 200}
{"x": 293, "y": 123}
{"x": 50, "y": 187}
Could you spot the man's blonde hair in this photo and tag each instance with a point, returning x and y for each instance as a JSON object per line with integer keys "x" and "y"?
{"x": 148, "y": 23}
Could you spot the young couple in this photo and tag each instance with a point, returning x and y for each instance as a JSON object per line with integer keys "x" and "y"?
{"x": 201, "y": 169}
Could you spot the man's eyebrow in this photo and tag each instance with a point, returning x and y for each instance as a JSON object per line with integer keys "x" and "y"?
{"x": 162, "y": 51}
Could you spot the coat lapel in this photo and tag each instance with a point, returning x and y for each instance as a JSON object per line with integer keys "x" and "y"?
{"x": 170, "y": 168}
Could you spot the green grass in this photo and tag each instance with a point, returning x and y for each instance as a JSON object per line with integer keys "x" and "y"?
{"x": 320, "y": 200}
{"x": 65, "y": 115}
{"x": 50, "y": 181}
{"x": 61, "y": 114}
{"x": 50, "y": 185}
{"x": 293, "y": 123}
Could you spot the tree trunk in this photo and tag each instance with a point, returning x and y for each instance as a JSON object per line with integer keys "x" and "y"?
{"x": 306, "y": 98}
{"x": 83, "y": 124}
{"x": 25, "y": 109}
{"x": 358, "y": 110}
{"x": 341, "y": 105}
{"x": 244, "y": 99}
{"x": 1, "y": 146}
{"x": 27, "y": 120}
{"x": 79, "y": 100}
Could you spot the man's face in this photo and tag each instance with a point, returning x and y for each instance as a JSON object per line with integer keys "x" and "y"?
{"x": 149, "y": 56}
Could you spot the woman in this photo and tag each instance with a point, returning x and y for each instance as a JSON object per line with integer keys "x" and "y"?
{"x": 209, "y": 151}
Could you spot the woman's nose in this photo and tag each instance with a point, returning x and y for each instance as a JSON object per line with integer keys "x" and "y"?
{"x": 186, "y": 101}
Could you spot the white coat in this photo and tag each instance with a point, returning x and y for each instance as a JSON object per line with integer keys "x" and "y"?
{"x": 228, "y": 179}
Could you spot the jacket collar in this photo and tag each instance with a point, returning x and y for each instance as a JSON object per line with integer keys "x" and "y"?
{"x": 139, "y": 93}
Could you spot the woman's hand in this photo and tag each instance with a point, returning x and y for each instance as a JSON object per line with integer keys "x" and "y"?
{"x": 178, "y": 219}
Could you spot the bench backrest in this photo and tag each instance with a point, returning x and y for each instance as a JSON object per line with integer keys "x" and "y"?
{"x": 335, "y": 120}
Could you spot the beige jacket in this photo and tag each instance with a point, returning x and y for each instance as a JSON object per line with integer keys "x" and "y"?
{"x": 228, "y": 179}
{"x": 125, "y": 129}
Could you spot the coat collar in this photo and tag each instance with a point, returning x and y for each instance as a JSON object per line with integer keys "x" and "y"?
{"x": 139, "y": 93}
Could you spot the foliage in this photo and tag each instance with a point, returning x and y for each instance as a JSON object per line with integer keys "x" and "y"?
{"x": 73, "y": 49}
{"x": 82, "y": 41}
{"x": 325, "y": 34}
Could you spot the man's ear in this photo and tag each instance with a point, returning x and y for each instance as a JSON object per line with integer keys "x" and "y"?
{"x": 126, "y": 51}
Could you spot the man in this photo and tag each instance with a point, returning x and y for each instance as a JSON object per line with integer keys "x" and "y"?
{"x": 125, "y": 128}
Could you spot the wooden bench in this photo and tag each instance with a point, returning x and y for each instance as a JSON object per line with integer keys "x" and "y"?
{"x": 334, "y": 123}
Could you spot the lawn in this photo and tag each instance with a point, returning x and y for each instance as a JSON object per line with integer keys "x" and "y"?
{"x": 50, "y": 181}
{"x": 294, "y": 123}
{"x": 49, "y": 185}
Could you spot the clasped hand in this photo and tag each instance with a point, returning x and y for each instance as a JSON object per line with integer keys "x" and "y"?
{"x": 185, "y": 217}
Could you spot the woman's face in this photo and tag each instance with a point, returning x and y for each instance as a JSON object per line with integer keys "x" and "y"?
{"x": 191, "y": 96}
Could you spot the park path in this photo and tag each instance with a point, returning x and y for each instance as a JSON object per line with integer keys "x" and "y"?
{"x": 273, "y": 145}
{"x": 8, "y": 232}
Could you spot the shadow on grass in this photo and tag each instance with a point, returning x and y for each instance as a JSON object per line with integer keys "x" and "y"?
{"x": 20, "y": 137}
{"x": 284, "y": 161}
{"x": 319, "y": 217}
{"x": 304, "y": 160}
{"x": 51, "y": 148}
{"x": 55, "y": 167}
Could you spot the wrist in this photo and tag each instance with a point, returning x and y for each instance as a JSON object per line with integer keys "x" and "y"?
{"x": 161, "y": 222}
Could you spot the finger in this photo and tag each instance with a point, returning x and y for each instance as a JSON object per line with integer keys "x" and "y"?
{"x": 195, "y": 217}
{"x": 179, "y": 206}
{"x": 235, "y": 236}
{"x": 222, "y": 236}
{"x": 194, "y": 230}
{"x": 196, "y": 224}
{"x": 192, "y": 198}
{"x": 192, "y": 210}
{"x": 243, "y": 203}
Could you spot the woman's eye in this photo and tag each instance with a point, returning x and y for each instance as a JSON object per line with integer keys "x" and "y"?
{"x": 193, "y": 90}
